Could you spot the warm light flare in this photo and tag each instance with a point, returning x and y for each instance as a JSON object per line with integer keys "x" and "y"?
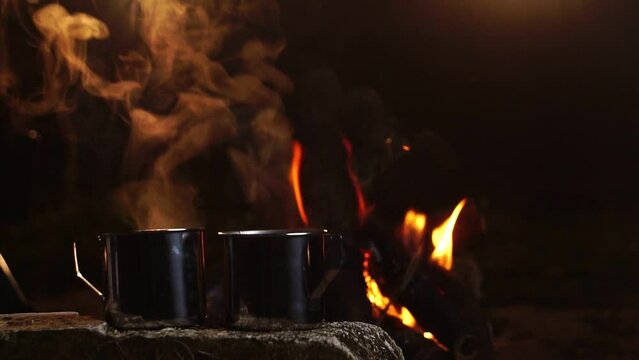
{"x": 294, "y": 176}
{"x": 413, "y": 229}
{"x": 362, "y": 207}
{"x": 12, "y": 280}
{"x": 442, "y": 238}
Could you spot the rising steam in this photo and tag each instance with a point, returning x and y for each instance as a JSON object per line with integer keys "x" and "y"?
{"x": 184, "y": 52}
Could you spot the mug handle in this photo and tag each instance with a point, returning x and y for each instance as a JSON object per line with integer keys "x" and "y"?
{"x": 333, "y": 260}
{"x": 81, "y": 277}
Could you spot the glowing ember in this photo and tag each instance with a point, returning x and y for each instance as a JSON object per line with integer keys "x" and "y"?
{"x": 382, "y": 303}
{"x": 443, "y": 239}
{"x": 294, "y": 177}
{"x": 429, "y": 335}
{"x": 362, "y": 208}
{"x": 405, "y": 147}
{"x": 413, "y": 229}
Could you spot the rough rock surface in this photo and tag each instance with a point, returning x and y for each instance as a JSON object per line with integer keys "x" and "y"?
{"x": 69, "y": 336}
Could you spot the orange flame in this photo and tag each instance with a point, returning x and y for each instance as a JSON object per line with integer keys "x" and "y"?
{"x": 382, "y": 302}
{"x": 429, "y": 335}
{"x": 294, "y": 177}
{"x": 413, "y": 229}
{"x": 442, "y": 238}
{"x": 362, "y": 208}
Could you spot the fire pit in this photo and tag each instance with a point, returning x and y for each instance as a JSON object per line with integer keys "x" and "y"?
{"x": 207, "y": 143}
{"x": 410, "y": 289}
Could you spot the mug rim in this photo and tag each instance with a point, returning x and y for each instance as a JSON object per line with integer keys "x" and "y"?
{"x": 272, "y": 232}
{"x": 154, "y": 231}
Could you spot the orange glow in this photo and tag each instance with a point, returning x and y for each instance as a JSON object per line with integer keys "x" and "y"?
{"x": 294, "y": 177}
{"x": 382, "y": 302}
{"x": 405, "y": 147}
{"x": 362, "y": 208}
{"x": 413, "y": 229}
{"x": 443, "y": 239}
{"x": 429, "y": 335}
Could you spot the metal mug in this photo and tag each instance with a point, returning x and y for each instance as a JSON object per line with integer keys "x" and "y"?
{"x": 154, "y": 278}
{"x": 278, "y": 278}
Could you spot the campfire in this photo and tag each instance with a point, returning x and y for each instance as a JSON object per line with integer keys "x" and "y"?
{"x": 413, "y": 231}
{"x": 426, "y": 251}
{"x": 205, "y": 142}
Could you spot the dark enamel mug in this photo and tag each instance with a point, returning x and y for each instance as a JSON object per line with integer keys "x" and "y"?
{"x": 154, "y": 278}
{"x": 278, "y": 277}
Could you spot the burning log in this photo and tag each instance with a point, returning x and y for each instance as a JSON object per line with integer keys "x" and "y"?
{"x": 421, "y": 290}
{"x": 463, "y": 299}
{"x": 441, "y": 308}
{"x": 413, "y": 344}
{"x": 432, "y": 309}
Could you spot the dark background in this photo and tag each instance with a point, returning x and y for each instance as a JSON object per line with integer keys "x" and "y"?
{"x": 537, "y": 99}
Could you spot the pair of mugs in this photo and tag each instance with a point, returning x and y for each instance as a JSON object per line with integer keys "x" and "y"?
{"x": 155, "y": 278}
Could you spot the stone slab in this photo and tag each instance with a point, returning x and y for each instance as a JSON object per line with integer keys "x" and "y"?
{"x": 70, "y": 336}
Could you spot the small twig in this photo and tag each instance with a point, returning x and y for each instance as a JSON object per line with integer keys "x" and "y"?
{"x": 79, "y": 274}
